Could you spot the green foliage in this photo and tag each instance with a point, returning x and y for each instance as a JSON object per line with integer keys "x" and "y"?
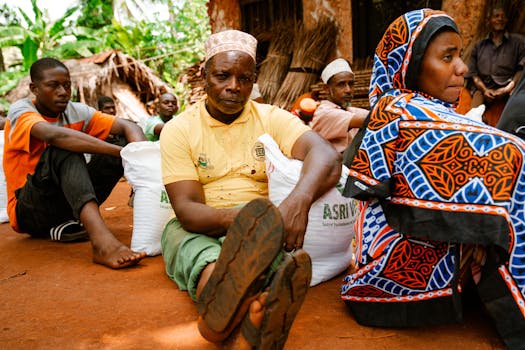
{"x": 35, "y": 37}
{"x": 29, "y": 51}
{"x": 95, "y": 13}
{"x": 79, "y": 42}
{"x": 167, "y": 46}
{"x": 8, "y": 17}
{"x": 10, "y": 80}
{"x": 11, "y": 36}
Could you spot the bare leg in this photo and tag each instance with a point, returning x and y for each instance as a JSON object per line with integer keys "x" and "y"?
{"x": 204, "y": 277}
{"x": 205, "y": 331}
{"x": 107, "y": 250}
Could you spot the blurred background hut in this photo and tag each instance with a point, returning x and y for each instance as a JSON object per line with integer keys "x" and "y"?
{"x": 281, "y": 28}
{"x": 132, "y": 85}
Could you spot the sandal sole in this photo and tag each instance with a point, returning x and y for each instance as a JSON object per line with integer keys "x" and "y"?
{"x": 252, "y": 242}
{"x": 286, "y": 296}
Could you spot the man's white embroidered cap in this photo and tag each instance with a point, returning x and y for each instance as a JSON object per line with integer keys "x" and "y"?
{"x": 338, "y": 65}
{"x": 230, "y": 40}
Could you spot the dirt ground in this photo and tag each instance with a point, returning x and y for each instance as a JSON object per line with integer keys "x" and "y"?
{"x": 53, "y": 297}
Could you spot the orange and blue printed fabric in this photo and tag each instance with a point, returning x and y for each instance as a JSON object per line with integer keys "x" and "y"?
{"x": 431, "y": 183}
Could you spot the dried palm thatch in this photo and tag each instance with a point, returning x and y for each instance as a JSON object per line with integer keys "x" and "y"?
{"x": 311, "y": 50}
{"x": 193, "y": 78}
{"x": 275, "y": 65}
{"x": 131, "y": 83}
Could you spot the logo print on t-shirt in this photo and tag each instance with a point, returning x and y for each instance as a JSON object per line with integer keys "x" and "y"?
{"x": 258, "y": 152}
{"x": 204, "y": 162}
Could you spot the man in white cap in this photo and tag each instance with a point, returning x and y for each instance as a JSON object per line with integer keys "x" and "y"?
{"x": 229, "y": 247}
{"x": 335, "y": 119}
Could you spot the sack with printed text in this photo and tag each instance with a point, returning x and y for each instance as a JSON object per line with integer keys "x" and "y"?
{"x": 151, "y": 206}
{"x": 330, "y": 230}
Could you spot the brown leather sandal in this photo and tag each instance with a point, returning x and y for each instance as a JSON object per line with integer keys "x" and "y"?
{"x": 252, "y": 243}
{"x": 286, "y": 294}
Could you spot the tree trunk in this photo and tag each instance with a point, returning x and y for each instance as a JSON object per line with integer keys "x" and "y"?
{"x": 2, "y": 65}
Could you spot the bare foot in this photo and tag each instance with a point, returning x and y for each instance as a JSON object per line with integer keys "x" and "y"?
{"x": 116, "y": 255}
{"x": 107, "y": 250}
{"x": 217, "y": 337}
{"x": 256, "y": 315}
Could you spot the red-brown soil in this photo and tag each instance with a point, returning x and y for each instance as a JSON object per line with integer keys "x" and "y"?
{"x": 53, "y": 297}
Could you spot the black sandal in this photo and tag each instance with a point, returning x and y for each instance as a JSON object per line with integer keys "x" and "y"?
{"x": 69, "y": 231}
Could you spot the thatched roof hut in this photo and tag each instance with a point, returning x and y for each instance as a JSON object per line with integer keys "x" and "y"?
{"x": 131, "y": 83}
{"x": 359, "y": 28}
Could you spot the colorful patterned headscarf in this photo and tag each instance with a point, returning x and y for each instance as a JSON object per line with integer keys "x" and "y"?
{"x": 431, "y": 182}
{"x": 398, "y": 55}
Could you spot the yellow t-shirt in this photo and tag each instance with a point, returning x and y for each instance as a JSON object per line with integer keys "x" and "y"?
{"x": 226, "y": 159}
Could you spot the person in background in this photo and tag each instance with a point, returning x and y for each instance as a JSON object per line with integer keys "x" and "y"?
{"x": 166, "y": 109}
{"x": 52, "y": 192}
{"x": 335, "y": 119}
{"x": 106, "y": 105}
{"x": 513, "y": 117}
{"x": 495, "y": 66}
{"x": 441, "y": 194}
{"x": 237, "y": 255}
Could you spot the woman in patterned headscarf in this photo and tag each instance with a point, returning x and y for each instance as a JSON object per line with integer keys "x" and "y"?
{"x": 441, "y": 194}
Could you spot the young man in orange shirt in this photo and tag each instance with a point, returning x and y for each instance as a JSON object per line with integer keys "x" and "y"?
{"x": 52, "y": 191}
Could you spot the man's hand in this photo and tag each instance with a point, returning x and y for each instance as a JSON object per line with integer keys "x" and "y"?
{"x": 505, "y": 90}
{"x": 321, "y": 172}
{"x": 294, "y": 211}
{"x": 489, "y": 95}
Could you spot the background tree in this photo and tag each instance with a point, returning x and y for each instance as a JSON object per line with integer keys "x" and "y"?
{"x": 168, "y": 45}
{"x": 36, "y": 36}
{"x": 7, "y": 17}
{"x": 95, "y": 14}
{"x": 169, "y": 39}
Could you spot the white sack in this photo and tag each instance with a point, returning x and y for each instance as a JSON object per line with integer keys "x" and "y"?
{"x": 330, "y": 230}
{"x": 3, "y": 184}
{"x": 151, "y": 206}
{"x": 476, "y": 113}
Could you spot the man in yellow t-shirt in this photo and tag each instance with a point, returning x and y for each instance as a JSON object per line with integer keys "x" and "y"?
{"x": 229, "y": 246}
